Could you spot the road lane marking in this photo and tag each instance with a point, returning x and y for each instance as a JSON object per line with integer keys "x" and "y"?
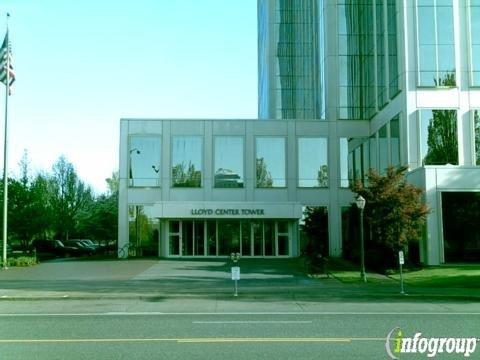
{"x": 253, "y": 322}
{"x": 195, "y": 340}
{"x": 153, "y": 313}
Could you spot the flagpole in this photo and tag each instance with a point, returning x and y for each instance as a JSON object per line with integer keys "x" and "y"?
{"x": 5, "y": 157}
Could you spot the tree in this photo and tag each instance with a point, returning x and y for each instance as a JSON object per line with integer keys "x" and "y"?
{"x": 315, "y": 227}
{"x": 394, "y": 209}
{"x": 69, "y": 196}
{"x": 29, "y": 211}
{"x": 264, "y": 178}
{"x": 98, "y": 220}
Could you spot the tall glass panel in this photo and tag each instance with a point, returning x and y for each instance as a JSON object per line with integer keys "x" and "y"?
{"x": 436, "y": 43}
{"x": 475, "y": 42}
{"x": 143, "y": 231}
{"x": 344, "y": 163}
{"x": 291, "y": 40}
{"x": 312, "y": 162}
{"x": 187, "y": 238}
{"x": 392, "y": 48}
{"x": 187, "y": 153}
{"x": 356, "y": 49}
{"x": 270, "y": 162}
{"x": 228, "y": 236}
{"x": 365, "y": 160}
{"x": 476, "y": 127}
{"x": 257, "y": 227}
{"x": 144, "y": 158}
{"x": 373, "y": 152}
{"x": 381, "y": 70}
{"x": 383, "y": 148}
{"x": 283, "y": 237}
{"x": 199, "y": 237}
{"x": 246, "y": 236}
{"x": 357, "y": 158}
{"x": 269, "y": 238}
{"x": 351, "y": 177}
{"x": 395, "y": 140}
{"x": 229, "y": 162}
{"x": 174, "y": 237}
{"x": 211, "y": 237}
{"x": 438, "y": 131}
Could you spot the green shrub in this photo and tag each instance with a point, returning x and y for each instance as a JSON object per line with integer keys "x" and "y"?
{"x": 22, "y": 261}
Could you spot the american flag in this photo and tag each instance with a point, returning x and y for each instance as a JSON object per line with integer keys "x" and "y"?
{"x": 6, "y": 61}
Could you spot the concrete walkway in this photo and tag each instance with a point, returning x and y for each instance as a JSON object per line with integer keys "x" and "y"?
{"x": 265, "y": 279}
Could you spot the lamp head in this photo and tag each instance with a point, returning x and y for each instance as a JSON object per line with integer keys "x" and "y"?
{"x": 360, "y": 201}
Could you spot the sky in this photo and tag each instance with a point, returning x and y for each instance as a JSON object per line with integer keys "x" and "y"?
{"x": 81, "y": 66}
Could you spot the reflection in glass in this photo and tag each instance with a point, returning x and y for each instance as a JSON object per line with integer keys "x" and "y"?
{"x": 436, "y": 44}
{"x": 357, "y": 164}
{"x": 475, "y": 42}
{"x": 438, "y": 131}
{"x": 187, "y": 161}
{"x": 312, "y": 162}
{"x": 143, "y": 231}
{"x": 270, "y": 162}
{"x": 228, "y": 162}
{"x": 344, "y": 163}
{"x": 144, "y": 157}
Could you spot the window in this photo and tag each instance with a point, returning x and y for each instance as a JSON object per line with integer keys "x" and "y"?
{"x": 436, "y": 47}
{"x": 270, "y": 162}
{"x": 187, "y": 161}
{"x": 438, "y": 137}
{"x": 476, "y": 132}
{"x": 174, "y": 237}
{"x": 143, "y": 230}
{"x": 383, "y": 149}
{"x": 395, "y": 141}
{"x": 144, "y": 157}
{"x": 228, "y": 163}
{"x": 475, "y": 41}
{"x": 312, "y": 162}
{"x": 344, "y": 163}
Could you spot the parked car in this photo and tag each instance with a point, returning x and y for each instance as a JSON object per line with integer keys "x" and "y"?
{"x": 90, "y": 243}
{"x": 82, "y": 248}
{"x": 55, "y": 248}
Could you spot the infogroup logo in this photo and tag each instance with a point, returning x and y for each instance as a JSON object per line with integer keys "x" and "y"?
{"x": 397, "y": 344}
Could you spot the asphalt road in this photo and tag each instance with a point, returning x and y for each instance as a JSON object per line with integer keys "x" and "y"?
{"x": 186, "y": 310}
{"x": 190, "y": 335}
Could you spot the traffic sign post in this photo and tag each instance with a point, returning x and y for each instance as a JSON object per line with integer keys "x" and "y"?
{"x": 401, "y": 261}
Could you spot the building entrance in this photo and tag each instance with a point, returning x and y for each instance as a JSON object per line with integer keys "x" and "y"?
{"x": 222, "y": 237}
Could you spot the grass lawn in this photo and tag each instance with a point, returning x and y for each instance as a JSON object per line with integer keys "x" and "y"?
{"x": 460, "y": 276}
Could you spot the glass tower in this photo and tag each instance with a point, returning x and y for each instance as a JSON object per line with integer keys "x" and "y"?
{"x": 290, "y": 49}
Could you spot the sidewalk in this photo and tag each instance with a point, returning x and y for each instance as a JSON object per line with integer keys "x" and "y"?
{"x": 261, "y": 279}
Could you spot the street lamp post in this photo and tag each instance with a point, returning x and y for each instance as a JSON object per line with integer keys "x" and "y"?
{"x": 360, "y": 201}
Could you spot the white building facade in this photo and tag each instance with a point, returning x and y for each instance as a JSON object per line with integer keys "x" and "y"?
{"x": 344, "y": 86}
